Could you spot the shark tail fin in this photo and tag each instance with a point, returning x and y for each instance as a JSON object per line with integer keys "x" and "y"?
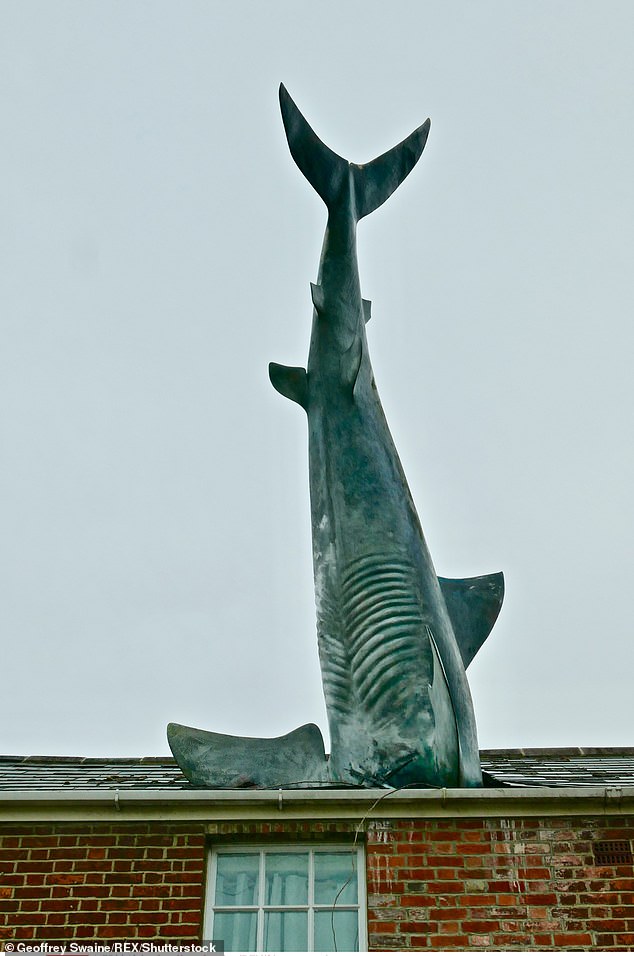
{"x": 328, "y": 173}
{"x": 324, "y": 170}
{"x": 376, "y": 181}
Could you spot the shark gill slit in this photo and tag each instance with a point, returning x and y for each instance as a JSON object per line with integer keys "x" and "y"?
{"x": 386, "y": 632}
{"x": 335, "y": 664}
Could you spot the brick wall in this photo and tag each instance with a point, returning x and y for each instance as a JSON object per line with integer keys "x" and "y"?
{"x": 498, "y": 884}
{"x": 101, "y": 881}
{"x": 432, "y": 884}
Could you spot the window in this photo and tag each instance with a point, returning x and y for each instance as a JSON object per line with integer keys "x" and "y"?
{"x": 297, "y": 899}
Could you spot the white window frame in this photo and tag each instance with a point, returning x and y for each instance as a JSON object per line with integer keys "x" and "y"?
{"x": 357, "y": 853}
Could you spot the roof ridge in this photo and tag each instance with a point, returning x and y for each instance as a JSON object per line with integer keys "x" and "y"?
{"x": 169, "y": 762}
{"x": 558, "y": 752}
{"x": 87, "y": 761}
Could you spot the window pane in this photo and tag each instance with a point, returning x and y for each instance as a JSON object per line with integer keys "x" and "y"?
{"x": 286, "y": 932}
{"x": 286, "y": 880}
{"x": 237, "y": 880}
{"x": 346, "y": 935}
{"x": 335, "y": 872}
{"x": 238, "y": 930}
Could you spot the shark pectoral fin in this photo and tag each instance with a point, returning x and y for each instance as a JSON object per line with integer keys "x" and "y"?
{"x": 367, "y": 309}
{"x": 473, "y": 605}
{"x": 290, "y": 382}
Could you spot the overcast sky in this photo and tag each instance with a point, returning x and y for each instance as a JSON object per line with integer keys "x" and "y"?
{"x": 157, "y": 245}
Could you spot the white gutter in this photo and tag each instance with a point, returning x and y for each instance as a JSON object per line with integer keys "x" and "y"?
{"x": 212, "y": 805}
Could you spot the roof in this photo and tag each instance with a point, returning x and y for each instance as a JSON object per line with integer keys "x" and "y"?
{"x": 554, "y": 767}
{"x": 561, "y": 767}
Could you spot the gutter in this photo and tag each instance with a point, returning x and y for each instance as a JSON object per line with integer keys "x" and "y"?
{"x": 119, "y": 806}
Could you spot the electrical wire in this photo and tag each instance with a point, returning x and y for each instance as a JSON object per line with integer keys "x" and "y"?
{"x": 357, "y": 831}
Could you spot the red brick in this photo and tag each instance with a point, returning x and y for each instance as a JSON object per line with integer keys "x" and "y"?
{"x": 177, "y": 904}
{"x": 39, "y": 841}
{"x": 421, "y": 893}
{"x": 114, "y": 932}
{"x": 448, "y": 913}
{"x": 447, "y": 859}
{"x": 600, "y": 895}
{"x": 417, "y": 941}
{"x": 472, "y": 899}
{"x": 506, "y": 940}
{"x": 153, "y": 891}
{"x": 13, "y": 879}
{"x": 30, "y": 919}
{"x": 437, "y": 886}
{"x": 119, "y": 904}
{"x": 624, "y": 911}
{"x": 449, "y": 929}
{"x": 533, "y": 873}
{"x": 72, "y": 853}
{"x": 572, "y": 939}
{"x": 609, "y": 925}
{"x": 604, "y": 940}
{"x": 420, "y": 899}
{"x": 479, "y": 926}
{"x": 426, "y": 872}
{"x": 540, "y": 899}
{"x": 143, "y": 917}
{"x": 10, "y": 856}
{"x": 96, "y": 853}
{"x": 92, "y": 918}
{"x": 114, "y": 918}
{"x": 467, "y": 848}
{"x": 440, "y": 942}
{"x": 184, "y": 930}
{"x": 393, "y": 943}
{"x": 55, "y": 919}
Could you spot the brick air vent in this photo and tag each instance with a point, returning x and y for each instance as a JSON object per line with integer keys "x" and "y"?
{"x": 612, "y": 852}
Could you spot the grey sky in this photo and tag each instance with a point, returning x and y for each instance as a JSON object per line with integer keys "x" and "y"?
{"x": 157, "y": 244}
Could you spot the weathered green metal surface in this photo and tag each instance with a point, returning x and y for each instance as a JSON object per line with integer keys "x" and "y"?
{"x": 394, "y": 641}
{"x": 220, "y": 760}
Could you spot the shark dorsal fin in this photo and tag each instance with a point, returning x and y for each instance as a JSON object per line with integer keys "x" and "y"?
{"x": 473, "y": 605}
{"x": 367, "y": 310}
{"x": 290, "y": 381}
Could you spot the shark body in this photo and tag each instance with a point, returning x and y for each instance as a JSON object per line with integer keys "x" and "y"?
{"x": 399, "y": 705}
{"x": 394, "y": 639}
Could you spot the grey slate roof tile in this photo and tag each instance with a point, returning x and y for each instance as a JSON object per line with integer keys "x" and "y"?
{"x": 88, "y": 773}
{"x": 559, "y": 767}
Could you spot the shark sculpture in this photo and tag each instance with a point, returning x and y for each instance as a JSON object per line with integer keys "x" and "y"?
{"x": 394, "y": 639}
